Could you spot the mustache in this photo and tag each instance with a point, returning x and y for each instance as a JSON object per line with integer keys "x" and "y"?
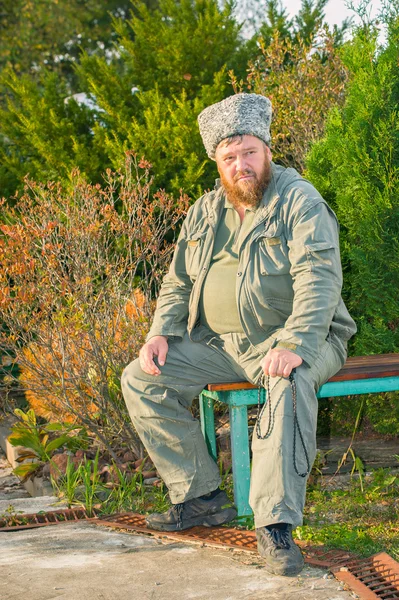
{"x": 243, "y": 174}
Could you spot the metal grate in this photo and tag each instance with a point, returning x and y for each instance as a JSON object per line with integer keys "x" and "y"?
{"x": 318, "y": 556}
{"x": 219, "y": 536}
{"x": 228, "y": 538}
{"x": 370, "y": 578}
{"x": 14, "y": 522}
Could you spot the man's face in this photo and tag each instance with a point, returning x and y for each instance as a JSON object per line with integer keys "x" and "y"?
{"x": 244, "y": 169}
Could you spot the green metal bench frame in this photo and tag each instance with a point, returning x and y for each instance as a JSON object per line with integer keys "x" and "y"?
{"x": 351, "y": 380}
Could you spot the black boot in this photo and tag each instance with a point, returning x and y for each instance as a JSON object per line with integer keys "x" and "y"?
{"x": 275, "y": 544}
{"x": 215, "y": 509}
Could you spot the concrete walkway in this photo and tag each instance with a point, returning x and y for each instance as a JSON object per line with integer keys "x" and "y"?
{"x": 84, "y": 561}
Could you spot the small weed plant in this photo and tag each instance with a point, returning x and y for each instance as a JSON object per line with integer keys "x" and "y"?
{"x": 82, "y": 486}
{"x": 92, "y": 486}
{"x": 67, "y": 485}
{"x": 42, "y": 440}
{"x": 12, "y": 517}
{"x": 126, "y": 492}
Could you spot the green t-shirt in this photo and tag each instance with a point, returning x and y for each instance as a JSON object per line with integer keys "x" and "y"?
{"x": 218, "y": 304}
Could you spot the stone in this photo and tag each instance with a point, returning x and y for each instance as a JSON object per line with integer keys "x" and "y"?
{"x": 152, "y": 481}
{"x": 58, "y": 464}
{"x": 149, "y": 474}
{"x": 46, "y": 471}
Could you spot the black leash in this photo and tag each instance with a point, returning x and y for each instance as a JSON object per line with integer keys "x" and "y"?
{"x": 264, "y": 383}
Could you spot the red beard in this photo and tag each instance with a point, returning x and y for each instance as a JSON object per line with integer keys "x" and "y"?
{"x": 248, "y": 192}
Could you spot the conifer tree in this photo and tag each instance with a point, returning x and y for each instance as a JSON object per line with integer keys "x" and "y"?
{"x": 277, "y": 21}
{"x": 37, "y": 34}
{"x": 310, "y": 18}
{"x": 168, "y": 136}
{"x": 169, "y": 62}
{"x": 179, "y": 46}
{"x": 43, "y": 135}
{"x": 270, "y": 18}
{"x": 356, "y": 168}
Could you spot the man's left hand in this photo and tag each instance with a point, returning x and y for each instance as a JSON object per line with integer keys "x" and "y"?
{"x": 279, "y": 362}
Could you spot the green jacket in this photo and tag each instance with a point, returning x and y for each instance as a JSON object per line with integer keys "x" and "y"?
{"x": 289, "y": 277}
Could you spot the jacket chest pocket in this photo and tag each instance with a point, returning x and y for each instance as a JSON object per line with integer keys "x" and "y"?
{"x": 273, "y": 255}
{"x": 195, "y": 246}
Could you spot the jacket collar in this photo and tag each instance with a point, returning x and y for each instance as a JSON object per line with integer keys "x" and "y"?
{"x": 269, "y": 201}
{"x": 214, "y": 203}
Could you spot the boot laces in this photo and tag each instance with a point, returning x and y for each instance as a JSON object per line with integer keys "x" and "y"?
{"x": 281, "y": 538}
{"x": 178, "y": 510}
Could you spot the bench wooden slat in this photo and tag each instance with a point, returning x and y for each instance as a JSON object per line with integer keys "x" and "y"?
{"x": 374, "y": 360}
{"x": 356, "y": 367}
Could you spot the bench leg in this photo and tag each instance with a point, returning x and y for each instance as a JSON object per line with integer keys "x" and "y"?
{"x": 240, "y": 458}
{"x": 208, "y": 423}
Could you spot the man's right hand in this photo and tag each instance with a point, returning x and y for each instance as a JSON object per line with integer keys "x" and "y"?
{"x": 156, "y": 346}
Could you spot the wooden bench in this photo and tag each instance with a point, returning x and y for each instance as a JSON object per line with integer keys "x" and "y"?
{"x": 360, "y": 375}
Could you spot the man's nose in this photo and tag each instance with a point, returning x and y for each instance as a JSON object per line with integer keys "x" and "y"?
{"x": 241, "y": 163}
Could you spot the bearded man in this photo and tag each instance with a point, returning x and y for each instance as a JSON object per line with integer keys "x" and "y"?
{"x": 253, "y": 292}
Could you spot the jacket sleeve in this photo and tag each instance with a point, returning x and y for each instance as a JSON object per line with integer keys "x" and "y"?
{"x": 317, "y": 281}
{"x": 171, "y": 313}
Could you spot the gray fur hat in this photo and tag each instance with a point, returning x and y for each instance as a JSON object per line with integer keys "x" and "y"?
{"x": 242, "y": 114}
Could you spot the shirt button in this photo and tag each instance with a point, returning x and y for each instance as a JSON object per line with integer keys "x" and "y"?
{"x": 239, "y": 274}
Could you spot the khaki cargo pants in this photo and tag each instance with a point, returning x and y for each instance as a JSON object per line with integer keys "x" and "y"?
{"x": 159, "y": 407}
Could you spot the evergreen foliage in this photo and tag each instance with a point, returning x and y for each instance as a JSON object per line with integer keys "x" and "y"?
{"x": 170, "y": 63}
{"x": 43, "y": 135}
{"x": 356, "y": 168}
{"x": 179, "y": 46}
{"x": 37, "y": 34}
{"x": 277, "y": 21}
{"x": 142, "y": 90}
{"x": 167, "y": 134}
{"x": 271, "y": 17}
{"x": 310, "y": 18}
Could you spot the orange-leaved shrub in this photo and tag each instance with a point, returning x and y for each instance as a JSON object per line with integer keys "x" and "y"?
{"x": 81, "y": 396}
{"x": 79, "y": 274}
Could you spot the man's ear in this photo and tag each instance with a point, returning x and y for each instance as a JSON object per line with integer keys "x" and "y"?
{"x": 268, "y": 152}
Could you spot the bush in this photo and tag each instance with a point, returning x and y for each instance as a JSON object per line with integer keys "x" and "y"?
{"x": 180, "y": 45}
{"x": 78, "y": 276}
{"x": 168, "y": 63}
{"x": 303, "y": 80}
{"x": 356, "y": 168}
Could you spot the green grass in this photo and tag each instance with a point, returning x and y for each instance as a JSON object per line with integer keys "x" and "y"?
{"x": 82, "y": 486}
{"x": 131, "y": 495}
{"x": 364, "y": 522}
